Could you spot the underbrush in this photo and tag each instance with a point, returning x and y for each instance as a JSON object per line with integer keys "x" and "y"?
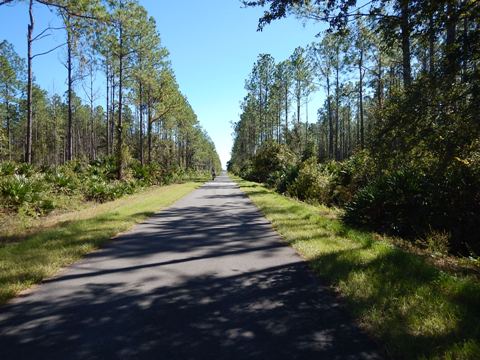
{"x": 32, "y": 191}
{"x": 416, "y": 199}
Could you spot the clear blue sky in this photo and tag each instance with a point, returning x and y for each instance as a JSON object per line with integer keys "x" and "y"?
{"x": 213, "y": 45}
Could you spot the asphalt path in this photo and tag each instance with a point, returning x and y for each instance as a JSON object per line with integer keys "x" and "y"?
{"x": 207, "y": 278}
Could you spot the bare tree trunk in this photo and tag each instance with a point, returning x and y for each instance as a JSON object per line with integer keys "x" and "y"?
{"x": 92, "y": 123}
{"x": 279, "y": 122}
{"x": 286, "y": 114}
{"x": 55, "y": 145}
{"x": 9, "y": 131}
{"x": 306, "y": 123}
{"x": 112, "y": 115}
{"x": 330, "y": 121}
{"x": 465, "y": 44}
{"x": 299, "y": 99}
{"x": 379, "y": 79}
{"x": 337, "y": 104}
{"x": 360, "y": 101}
{"x": 120, "y": 104}
{"x": 149, "y": 130}
{"x": 405, "y": 34}
{"x": 107, "y": 75}
{"x": 69, "y": 81}
{"x": 28, "y": 148}
{"x": 431, "y": 47}
{"x": 451, "y": 67}
{"x": 141, "y": 122}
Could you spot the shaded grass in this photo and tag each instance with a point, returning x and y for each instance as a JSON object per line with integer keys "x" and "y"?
{"x": 42, "y": 253}
{"x": 416, "y": 310}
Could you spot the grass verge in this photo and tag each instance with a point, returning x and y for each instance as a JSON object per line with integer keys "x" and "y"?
{"x": 415, "y": 309}
{"x": 43, "y": 253}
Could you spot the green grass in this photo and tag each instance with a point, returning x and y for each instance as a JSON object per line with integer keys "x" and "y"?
{"x": 43, "y": 253}
{"x": 414, "y": 309}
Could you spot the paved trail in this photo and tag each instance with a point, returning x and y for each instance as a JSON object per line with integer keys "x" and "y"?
{"x": 204, "y": 279}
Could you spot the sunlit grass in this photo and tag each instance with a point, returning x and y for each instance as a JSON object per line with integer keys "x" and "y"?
{"x": 416, "y": 310}
{"x": 71, "y": 236}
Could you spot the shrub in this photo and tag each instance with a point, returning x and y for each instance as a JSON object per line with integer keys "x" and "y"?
{"x": 437, "y": 242}
{"x": 454, "y": 204}
{"x": 18, "y": 190}
{"x": 64, "y": 180}
{"x": 414, "y": 203}
{"x": 350, "y": 176}
{"x": 246, "y": 170}
{"x": 25, "y": 169}
{"x": 8, "y": 168}
{"x": 392, "y": 203}
{"x": 272, "y": 158}
{"x": 281, "y": 180}
{"x": 99, "y": 190}
{"x": 311, "y": 184}
{"x": 105, "y": 168}
{"x": 143, "y": 173}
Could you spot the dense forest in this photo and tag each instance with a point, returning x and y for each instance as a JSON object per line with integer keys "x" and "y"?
{"x": 397, "y": 140}
{"x": 137, "y": 128}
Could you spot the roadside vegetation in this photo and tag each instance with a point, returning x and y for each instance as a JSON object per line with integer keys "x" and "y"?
{"x": 30, "y": 196}
{"x": 396, "y": 140}
{"x": 414, "y": 308}
{"x": 435, "y": 212}
{"x": 65, "y": 238}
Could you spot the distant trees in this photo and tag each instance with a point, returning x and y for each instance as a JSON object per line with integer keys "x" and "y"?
{"x": 144, "y": 111}
{"x": 12, "y": 69}
{"x": 272, "y": 88}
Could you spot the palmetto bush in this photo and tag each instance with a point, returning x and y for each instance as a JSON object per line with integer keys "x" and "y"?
{"x": 64, "y": 180}
{"x": 97, "y": 189}
{"x": 17, "y": 191}
{"x": 100, "y": 190}
{"x": 7, "y": 168}
{"x": 412, "y": 203}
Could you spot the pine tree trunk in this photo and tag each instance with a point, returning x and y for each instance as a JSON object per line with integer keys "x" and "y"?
{"x": 92, "y": 123}
{"x": 405, "y": 35}
{"x": 451, "y": 68}
{"x": 337, "y": 105}
{"x": 431, "y": 47}
{"x": 330, "y": 121}
{"x": 149, "y": 130}
{"x": 286, "y": 114}
{"x": 9, "y": 132}
{"x": 360, "y": 101}
{"x": 112, "y": 115}
{"x": 28, "y": 147}
{"x": 379, "y": 80}
{"x": 141, "y": 122}
{"x": 120, "y": 105}
{"x": 69, "y": 83}
{"x": 107, "y": 77}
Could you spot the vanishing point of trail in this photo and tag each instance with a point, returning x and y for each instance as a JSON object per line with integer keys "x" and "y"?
{"x": 207, "y": 278}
